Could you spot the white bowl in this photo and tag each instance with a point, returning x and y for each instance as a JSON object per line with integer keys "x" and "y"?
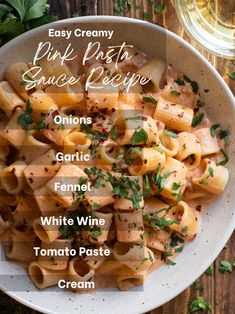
{"x": 219, "y": 218}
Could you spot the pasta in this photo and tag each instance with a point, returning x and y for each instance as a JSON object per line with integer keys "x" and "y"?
{"x": 103, "y": 183}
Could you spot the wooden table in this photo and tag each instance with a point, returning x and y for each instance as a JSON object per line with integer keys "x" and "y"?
{"x": 219, "y": 289}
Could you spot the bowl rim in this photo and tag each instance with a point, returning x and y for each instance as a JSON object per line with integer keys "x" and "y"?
{"x": 109, "y": 18}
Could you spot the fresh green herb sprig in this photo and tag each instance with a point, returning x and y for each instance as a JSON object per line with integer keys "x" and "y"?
{"x": 198, "y": 304}
{"x": 19, "y": 16}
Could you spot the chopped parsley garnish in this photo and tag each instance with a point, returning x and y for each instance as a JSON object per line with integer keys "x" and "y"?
{"x": 139, "y": 137}
{"x": 175, "y": 241}
{"x": 25, "y": 118}
{"x": 195, "y": 87}
{"x": 96, "y": 233}
{"x": 158, "y": 222}
{"x": 226, "y": 159}
{"x": 147, "y": 186}
{"x": 198, "y": 304}
{"x": 150, "y": 99}
{"x": 170, "y": 262}
{"x": 225, "y": 266}
{"x": 187, "y": 79}
{"x": 41, "y": 125}
{"x": 213, "y": 129}
{"x": 80, "y": 194}
{"x": 169, "y": 133}
{"x": 179, "y": 249}
{"x": 179, "y": 82}
{"x": 206, "y": 90}
{"x": 176, "y": 186}
{"x": 198, "y": 119}
{"x": 209, "y": 271}
{"x": 203, "y": 182}
{"x": 158, "y": 179}
{"x": 223, "y": 135}
{"x": 211, "y": 171}
{"x": 184, "y": 230}
{"x": 175, "y": 93}
{"x": 94, "y": 134}
{"x": 126, "y": 188}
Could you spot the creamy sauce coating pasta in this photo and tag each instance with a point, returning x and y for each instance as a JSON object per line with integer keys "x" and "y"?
{"x": 144, "y": 165}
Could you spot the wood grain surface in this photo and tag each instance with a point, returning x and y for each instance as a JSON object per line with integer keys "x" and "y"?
{"x": 218, "y": 289}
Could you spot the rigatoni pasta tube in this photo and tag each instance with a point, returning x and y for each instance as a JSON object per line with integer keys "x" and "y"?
{"x": 104, "y": 228}
{"x": 136, "y": 255}
{"x": 175, "y": 116}
{"x": 14, "y": 75}
{"x": 145, "y": 160}
{"x": 48, "y": 205}
{"x": 157, "y": 239}
{"x": 43, "y": 278}
{"x": 13, "y": 132}
{"x": 129, "y": 126}
{"x": 208, "y": 143}
{"x": 55, "y": 262}
{"x": 80, "y": 271}
{"x": 129, "y": 226}
{"x": 9, "y": 100}
{"x": 174, "y": 173}
{"x": 41, "y": 170}
{"x": 68, "y": 174}
{"x": 127, "y": 282}
{"x": 168, "y": 144}
{"x": 12, "y": 177}
{"x": 47, "y": 233}
{"x": 35, "y": 145}
{"x": 189, "y": 150}
{"x": 214, "y": 178}
{"x": 101, "y": 196}
{"x": 76, "y": 142}
{"x": 41, "y": 103}
{"x": 153, "y": 70}
{"x": 26, "y": 210}
{"x": 66, "y": 94}
{"x": 186, "y": 220}
{"x": 105, "y": 98}
{"x": 20, "y": 248}
{"x": 126, "y": 203}
{"x": 110, "y": 152}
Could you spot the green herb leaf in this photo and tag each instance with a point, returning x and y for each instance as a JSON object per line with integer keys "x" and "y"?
{"x": 113, "y": 133}
{"x": 147, "y": 186}
{"x": 176, "y": 186}
{"x": 211, "y": 171}
{"x": 225, "y": 266}
{"x": 209, "y": 271}
{"x": 170, "y": 262}
{"x": 223, "y": 135}
{"x": 139, "y": 137}
{"x": 180, "y": 82}
{"x": 198, "y": 304}
{"x": 86, "y": 128}
{"x": 169, "y": 133}
{"x": 213, "y": 129}
{"x": 96, "y": 233}
{"x": 198, "y": 119}
{"x": 149, "y": 99}
{"x": 195, "y": 87}
{"x": 175, "y": 93}
{"x": 203, "y": 182}
{"x": 225, "y": 161}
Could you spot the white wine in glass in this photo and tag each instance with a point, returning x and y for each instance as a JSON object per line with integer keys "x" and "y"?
{"x": 211, "y": 23}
